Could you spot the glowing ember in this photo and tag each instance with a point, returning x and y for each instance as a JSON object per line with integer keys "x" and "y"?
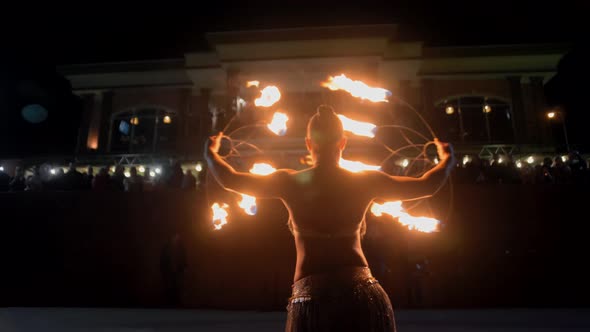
{"x": 219, "y": 215}
{"x": 248, "y": 204}
{"x": 395, "y": 209}
{"x": 252, "y": 83}
{"x": 278, "y": 124}
{"x": 359, "y": 128}
{"x": 357, "y": 88}
{"x": 270, "y": 95}
{"x": 262, "y": 169}
{"x": 357, "y": 166}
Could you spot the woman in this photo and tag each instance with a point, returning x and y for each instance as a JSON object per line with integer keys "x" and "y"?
{"x": 333, "y": 287}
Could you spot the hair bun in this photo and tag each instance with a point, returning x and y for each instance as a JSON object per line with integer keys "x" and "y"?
{"x": 325, "y": 111}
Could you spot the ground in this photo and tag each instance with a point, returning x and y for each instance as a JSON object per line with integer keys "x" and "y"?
{"x": 151, "y": 320}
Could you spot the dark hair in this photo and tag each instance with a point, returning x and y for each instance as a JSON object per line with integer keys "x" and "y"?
{"x": 325, "y": 127}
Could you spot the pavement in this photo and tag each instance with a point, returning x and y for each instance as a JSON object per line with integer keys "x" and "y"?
{"x": 163, "y": 320}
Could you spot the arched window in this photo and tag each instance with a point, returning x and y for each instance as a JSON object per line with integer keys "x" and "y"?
{"x": 476, "y": 119}
{"x": 143, "y": 130}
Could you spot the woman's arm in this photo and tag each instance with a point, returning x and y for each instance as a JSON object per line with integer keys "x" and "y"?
{"x": 269, "y": 186}
{"x": 396, "y": 188}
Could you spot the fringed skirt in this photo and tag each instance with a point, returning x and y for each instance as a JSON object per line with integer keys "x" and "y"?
{"x": 346, "y": 300}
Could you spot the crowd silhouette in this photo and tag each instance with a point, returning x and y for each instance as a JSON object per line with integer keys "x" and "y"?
{"x": 42, "y": 178}
{"x": 501, "y": 169}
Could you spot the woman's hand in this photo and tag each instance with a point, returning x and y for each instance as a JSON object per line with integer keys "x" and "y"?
{"x": 214, "y": 143}
{"x": 444, "y": 150}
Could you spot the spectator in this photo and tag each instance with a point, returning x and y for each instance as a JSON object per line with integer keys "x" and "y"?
{"x": 118, "y": 179}
{"x": 88, "y": 177}
{"x": 476, "y": 170}
{"x": 174, "y": 176}
{"x": 17, "y": 183}
{"x": 511, "y": 175}
{"x": 543, "y": 172}
{"x": 73, "y": 180}
{"x": 4, "y": 181}
{"x": 560, "y": 171}
{"x": 134, "y": 183}
{"x": 102, "y": 180}
{"x": 527, "y": 174}
{"x": 56, "y": 182}
{"x": 148, "y": 180}
{"x": 495, "y": 173}
{"x": 35, "y": 182}
{"x": 189, "y": 182}
{"x": 146, "y": 175}
{"x": 201, "y": 177}
{"x": 578, "y": 167}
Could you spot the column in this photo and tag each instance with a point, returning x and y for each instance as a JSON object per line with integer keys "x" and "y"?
{"x": 94, "y": 124}
{"x": 538, "y": 122}
{"x": 518, "y": 116}
{"x": 204, "y": 114}
{"x": 106, "y": 109}
{"x": 427, "y": 109}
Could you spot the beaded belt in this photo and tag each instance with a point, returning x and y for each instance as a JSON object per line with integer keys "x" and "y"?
{"x": 330, "y": 284}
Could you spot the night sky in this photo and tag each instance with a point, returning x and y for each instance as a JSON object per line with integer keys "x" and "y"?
{"x": 110, "y": 31}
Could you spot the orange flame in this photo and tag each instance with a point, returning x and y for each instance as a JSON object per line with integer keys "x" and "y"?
{"x": 262, "y": 169}
{"x": 248, "y": 204}
{"x": 359, "y": 128}
{"x": 252, "y": 83}
{"x": 278, "y": 124}
{"x": 357, "y": 89}
{"x": 395, "y": 209}
{"x": 220, "y": 215}
{"x": 269, "y": 96}
{"x": 357, "y": 166}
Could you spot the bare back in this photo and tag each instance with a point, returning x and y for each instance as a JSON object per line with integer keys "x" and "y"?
{"x": 326, "y": 206}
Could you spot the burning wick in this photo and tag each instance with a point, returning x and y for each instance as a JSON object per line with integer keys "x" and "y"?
{"x": 278, "y": 124}
{"x": 220, "y": 215}
{"x": 395, "y": 209}
{"x": 248, "y": 204}
{"x": 269, "y": 96}
{"x": 359, "y": 128}
{"x": 357, "y": 89}
{"x": 262, "y": 169}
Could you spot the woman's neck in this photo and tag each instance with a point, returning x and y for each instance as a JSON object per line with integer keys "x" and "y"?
{"x": 327, "y": 162}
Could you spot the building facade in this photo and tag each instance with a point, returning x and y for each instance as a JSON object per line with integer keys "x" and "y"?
{"x": 484, "y": 99}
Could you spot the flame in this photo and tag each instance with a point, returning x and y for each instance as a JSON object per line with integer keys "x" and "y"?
{"x": 395, "y": 209}
{"x": 278, "y": 124}
{"x": 357, "y": 88}
{"x": 359, "y": 128}
{"x": 422, "y": 224}
{"x": 252, "y": 83}
{"x": 270, "y": 95}
{"x": 220, "y": 215}
{"x": 248, "y": 204}
{"x": 262, "y": 169}
{"x": 357, "y": 166}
